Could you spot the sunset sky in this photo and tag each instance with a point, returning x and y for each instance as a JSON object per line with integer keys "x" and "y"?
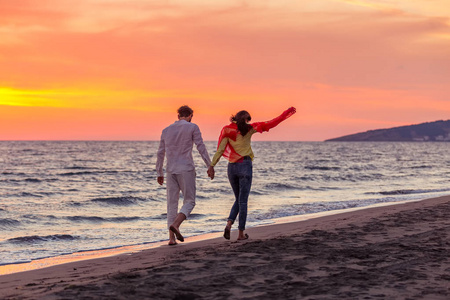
{"x": 119, "y": 69}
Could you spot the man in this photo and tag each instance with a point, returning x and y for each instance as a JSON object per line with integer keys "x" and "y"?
{"x": 176, "y": 144}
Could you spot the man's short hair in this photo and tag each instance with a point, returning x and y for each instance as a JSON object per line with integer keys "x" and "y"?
{"x": 185, "y": 111}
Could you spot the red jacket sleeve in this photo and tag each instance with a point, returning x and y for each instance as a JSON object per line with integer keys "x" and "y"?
{"x": 266, "y": 126}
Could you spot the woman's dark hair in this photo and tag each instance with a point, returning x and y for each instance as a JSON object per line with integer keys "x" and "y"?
{"x": 241, "y": 119}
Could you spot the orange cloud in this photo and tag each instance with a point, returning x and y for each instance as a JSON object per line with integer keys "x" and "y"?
{"x": 347, "y": 65}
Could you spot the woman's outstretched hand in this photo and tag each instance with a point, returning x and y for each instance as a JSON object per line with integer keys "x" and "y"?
{"x": 289, "y": 112}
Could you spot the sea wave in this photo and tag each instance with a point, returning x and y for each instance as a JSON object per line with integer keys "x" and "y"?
{"x": 317, "y": 207}
{"x": 314, "y": 168}
{"x": 280, "y": 186}
{"x": 123, "y": 219}
{"x": 162, "y": 216}
{"x": 32, "y": 180}
{"x": 411, "y": 191}
{"x": 257, "y": 192}
{"x": 399, "y": 192}
{"x": 29, "y": 180}
{"x": 422, "y": 167}
{"x": 40, "y": 217}
{"x": 109, "y": 172}
{"x": 7, "y": 223}
{"x": 32, "y": 195}
{"x": 25, "y": 194}
{"x": 120, "y": 201}
{"x": 79, "y": 173}
{"x": 86, "y": 219}
{"x": 95, "y": 219}
{"x": 27, "y": 150}
{"x": 37, "y": 238}
{"x": 306, "y": 208}
{"x": 194, "y": 216}
{"x": 13, "y": 173}
{"x": 77, "y": 168}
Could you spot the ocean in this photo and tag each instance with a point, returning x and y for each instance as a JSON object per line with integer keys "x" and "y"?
{"x": 63, "y": 197}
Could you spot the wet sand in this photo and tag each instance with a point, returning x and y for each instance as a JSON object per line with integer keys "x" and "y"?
{"x": 391, "y": 252}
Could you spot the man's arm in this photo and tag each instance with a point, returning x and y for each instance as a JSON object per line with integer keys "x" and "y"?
{"x": 160, "y": 161}
{"x": 198, "y": 140}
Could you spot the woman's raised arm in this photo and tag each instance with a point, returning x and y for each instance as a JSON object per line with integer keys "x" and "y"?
{"x": 266, "y": 126}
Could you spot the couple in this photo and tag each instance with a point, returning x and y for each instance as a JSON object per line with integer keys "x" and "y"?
{"x": 176, "y": 143}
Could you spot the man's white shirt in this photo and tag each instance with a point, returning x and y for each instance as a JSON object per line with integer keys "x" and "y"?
{"x": 177, "y": 141}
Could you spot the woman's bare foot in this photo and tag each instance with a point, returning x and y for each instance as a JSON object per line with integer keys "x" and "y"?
{"x": 242, "y": 236}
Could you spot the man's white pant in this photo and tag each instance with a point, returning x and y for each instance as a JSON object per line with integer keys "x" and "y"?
{"x": 184, "y": 182}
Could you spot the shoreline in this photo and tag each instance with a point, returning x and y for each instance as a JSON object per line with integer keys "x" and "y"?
{"x": 47, "y": 262}
{"x": 383, "y": 251}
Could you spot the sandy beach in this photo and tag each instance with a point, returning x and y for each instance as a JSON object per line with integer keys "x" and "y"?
{"x": 389, "y": 252}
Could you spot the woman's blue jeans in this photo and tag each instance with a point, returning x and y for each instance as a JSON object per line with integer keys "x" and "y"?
{"x": 240, "y": 176}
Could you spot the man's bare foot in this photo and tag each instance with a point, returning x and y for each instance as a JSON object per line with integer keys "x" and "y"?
{"x": 226, "y": 233}
{"x": 177, "y": 233}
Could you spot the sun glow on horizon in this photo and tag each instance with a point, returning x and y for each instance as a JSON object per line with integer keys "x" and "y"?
{"x": 85, "y": 98}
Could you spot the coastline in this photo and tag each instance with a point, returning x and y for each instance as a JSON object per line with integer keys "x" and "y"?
{"x": 121, "y": 250}
{"x": 358, "y": 236}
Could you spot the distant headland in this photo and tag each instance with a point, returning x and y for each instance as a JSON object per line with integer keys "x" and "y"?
{"x": 438, "y": 131}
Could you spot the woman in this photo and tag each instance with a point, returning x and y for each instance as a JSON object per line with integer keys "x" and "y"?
{"x": 235, "y": 145}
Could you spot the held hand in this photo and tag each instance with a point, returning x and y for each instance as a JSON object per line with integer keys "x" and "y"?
{"x": 211, "y": 172}
{"x": 160, "y": 180}
{"x": 292, "y": 110}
